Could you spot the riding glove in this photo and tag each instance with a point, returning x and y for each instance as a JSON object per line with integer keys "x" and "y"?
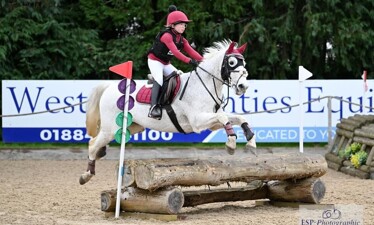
{"x": 193, "y": 63}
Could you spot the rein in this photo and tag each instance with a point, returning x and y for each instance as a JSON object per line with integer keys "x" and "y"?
{"x": 206, "y": 88}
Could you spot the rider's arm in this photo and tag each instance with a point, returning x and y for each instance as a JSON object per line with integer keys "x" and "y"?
{"x": 190, "y": 51}
{"x": 167, "y": 39}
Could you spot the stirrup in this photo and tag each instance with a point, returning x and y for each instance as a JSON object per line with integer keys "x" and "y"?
{"x": 153, "y": 112}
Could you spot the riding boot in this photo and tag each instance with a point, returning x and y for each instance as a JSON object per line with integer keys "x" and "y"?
{"x": 155, "y": 111}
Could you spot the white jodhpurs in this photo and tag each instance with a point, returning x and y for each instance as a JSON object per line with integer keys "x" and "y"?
{"x": 158, "y": 70}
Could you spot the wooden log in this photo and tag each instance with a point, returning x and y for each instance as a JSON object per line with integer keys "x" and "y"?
{"x": 333, "y": 158}
{"x": 341, "y": 141}
{"x": 364, "y": 140}
{"x": 362, "y": 118}
{"x": 333, "y": 146}
{"x": 355, "y": 123}
{"x": 364, "y": 168}
{"x": 199, "y": 197}
{"x": 349, "y": 142}
{"x": 310, "y": 190}
{"x": 370, "y": 157}
{"x": 151, "y": 174}
{"x": 345, "y": 126}
{"x": 165, "y": 201}
{"x": 355, "y": 172}
{"x": 345, "y": 133}
{"x": 364, "y": 133}
{"x": 334, "y": 166}
{"x": 347, "y": 163}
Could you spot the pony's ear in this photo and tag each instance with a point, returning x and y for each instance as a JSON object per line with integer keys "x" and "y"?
{"x": 242, "y": 48}
{"x": 230, "y": 50}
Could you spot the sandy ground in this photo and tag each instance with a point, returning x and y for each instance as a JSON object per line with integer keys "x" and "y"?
{"x": 47, "y": 191}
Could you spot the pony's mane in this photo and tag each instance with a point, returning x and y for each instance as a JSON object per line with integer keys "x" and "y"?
{"x": 217, "y": 47}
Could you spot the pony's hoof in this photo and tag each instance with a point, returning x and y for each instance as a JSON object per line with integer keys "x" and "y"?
{"x": 231, "y": 144}
{"x": 252, "y": 143}
{"x": 85, "y": 177}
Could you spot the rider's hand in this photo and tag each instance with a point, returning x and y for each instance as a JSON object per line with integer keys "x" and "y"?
{"x": 193, "y": 63}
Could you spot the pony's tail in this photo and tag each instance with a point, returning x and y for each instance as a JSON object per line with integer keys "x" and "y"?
{"x": 93, "y": 110}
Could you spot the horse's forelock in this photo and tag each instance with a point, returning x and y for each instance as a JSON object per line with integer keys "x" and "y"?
{"x": 217, "y": 47}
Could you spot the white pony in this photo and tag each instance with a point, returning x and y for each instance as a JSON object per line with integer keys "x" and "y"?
{"x": 197, "y": 110}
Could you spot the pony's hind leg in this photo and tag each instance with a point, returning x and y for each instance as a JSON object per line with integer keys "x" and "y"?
{"x": 96, "y": 150}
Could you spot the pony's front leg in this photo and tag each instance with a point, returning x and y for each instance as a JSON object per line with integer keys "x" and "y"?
{"x": 215, "y": 121}
{"x": 248, "y": 133}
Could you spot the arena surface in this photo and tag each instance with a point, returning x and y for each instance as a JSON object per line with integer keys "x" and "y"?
{"x": 41, "y": 187}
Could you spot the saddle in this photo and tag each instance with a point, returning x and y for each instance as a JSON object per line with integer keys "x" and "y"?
{"x": 169, "y": 90}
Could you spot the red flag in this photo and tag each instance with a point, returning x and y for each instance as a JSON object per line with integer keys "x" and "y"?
{"x": 364, "y": 77}
{"x": 123, "y": 69}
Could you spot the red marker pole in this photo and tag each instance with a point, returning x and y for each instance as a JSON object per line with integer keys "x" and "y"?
{"x": 125, "y": 70}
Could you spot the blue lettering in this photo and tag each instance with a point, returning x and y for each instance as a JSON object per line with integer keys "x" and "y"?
{"x": 243, "y": 98}
{"x": 27, "y": 94}
{"x": 256, "y": 101}
{"x": 350, "y": 105}
{"x": 286, "y": 104}
{"x": 371, "y": 101}
{"x": 272, "y": 101}
{"x": 50, "y": 101}
{"x": 71, "y": 109}
{"x": 310, "y": 98}
{"x": 340, "y": 110}
{"x": 81, "y": 100}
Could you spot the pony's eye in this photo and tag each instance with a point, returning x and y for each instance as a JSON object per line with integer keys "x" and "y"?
{"x": 232, "y": 61}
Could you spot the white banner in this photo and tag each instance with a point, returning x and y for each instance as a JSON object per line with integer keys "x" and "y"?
{"x": 68, "y": 125}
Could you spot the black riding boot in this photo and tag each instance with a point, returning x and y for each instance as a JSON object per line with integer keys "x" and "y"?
{"x": 155, "y": 111}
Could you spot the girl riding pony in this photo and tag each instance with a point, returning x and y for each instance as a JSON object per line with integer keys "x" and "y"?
{"x": 169, "y": 43}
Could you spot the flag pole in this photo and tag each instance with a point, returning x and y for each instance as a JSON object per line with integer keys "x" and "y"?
{"x": 303, "y": 75}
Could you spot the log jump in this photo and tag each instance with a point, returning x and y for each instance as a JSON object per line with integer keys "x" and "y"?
{"x": 157, "y": 185}
{"x": 354, "y": 129}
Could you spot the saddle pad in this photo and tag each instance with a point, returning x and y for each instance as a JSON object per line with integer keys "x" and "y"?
{"x": 144, "y": 95}
{"x": 145, "y": 92}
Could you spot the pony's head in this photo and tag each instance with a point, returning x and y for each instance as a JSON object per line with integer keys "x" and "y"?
{"x": 232, "y": 70}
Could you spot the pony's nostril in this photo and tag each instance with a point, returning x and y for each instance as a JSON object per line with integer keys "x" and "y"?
{"x": 241, "y": 86}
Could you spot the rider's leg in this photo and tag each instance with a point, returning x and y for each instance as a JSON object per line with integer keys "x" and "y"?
{"x": 155, "y": 111}
{"x": 156, "y": 69}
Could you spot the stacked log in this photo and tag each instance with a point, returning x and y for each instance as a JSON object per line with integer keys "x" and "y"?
{"x": 171, "y": 200}
{"x": 152, "y": 174}
{"x": 357, "y": 128}
{"x": 154, "y": 185}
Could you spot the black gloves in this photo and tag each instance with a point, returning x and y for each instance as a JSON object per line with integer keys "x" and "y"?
{"x": 193, "y": 63}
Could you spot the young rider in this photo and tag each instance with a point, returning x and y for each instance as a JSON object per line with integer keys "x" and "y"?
{"x": 167, "y": 44}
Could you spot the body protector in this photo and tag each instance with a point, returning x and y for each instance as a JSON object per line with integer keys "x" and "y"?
{"x": 160, "y": 50}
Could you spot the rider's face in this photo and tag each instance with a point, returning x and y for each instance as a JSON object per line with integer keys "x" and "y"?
{"x": 180, "y": 27}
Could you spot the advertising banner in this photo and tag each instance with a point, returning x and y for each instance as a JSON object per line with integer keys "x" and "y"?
{"x": 270, "y": 106}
